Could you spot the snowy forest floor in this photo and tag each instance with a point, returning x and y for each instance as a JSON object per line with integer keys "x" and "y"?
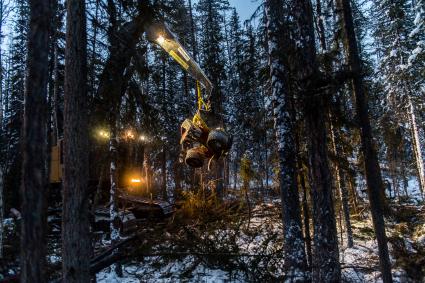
{"x": 243, "y": 252}
{"x": 208, "y": 242}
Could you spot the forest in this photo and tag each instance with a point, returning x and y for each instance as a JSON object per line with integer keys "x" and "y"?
{"x": 178, "y": 141}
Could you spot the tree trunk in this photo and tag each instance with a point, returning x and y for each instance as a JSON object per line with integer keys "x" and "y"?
{"x": 353, "y": 191}
{"x": 325, "y": 252}
{"x": 303, "y": 63}
{"x": 76, "y": 246}
{"x": 3, "y": 7}
{"x": 394, "y": 175}
{"x": 219, "y": 169}
{"x": 416, "y": 147}
{"x": 114, "y": 219}
{"x": 164, "y": 174}
{"x": 193, "y": 33}
{"x": 295, "y": 258}
{"x": 93, "y": 46}
{"x": 1, "y": 212}
{"x": 34, "y": 146}
{"x": 373, "y": 172}
{"x": 266, "y": 163}
{"x": 55, "y": 94}
{"x": 321, "y": 28}
{"x": 146, "y": 166}
{"x": 98, "y": 193}
{"x": 122, "y": 49}
{"x": 340, "y": 184}
{"x": 306, "y": 214}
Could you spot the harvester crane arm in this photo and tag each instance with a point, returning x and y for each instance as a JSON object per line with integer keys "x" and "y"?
{"x": 204, "y": 136}
{"x": 160, "y": 34}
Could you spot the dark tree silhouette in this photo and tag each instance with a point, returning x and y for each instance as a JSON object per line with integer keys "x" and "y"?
{"x": 34, "y": 146}
{"x": 76, "y": 246}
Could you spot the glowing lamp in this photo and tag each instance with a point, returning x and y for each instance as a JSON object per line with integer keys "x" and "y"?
{"x": 103, "y": 134}
{"x": 130, "y": 134}
{"x": 160, "y": 39}
{"x": 136, "y": 181}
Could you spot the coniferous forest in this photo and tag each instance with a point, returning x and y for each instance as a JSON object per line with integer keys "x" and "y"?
{"x": 177, "y": 141}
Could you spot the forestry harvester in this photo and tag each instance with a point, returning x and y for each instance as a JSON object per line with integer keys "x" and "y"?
{"x": 203, "y": 136}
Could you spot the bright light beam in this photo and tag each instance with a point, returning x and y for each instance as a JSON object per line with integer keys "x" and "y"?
{"x": 160, "y": 39}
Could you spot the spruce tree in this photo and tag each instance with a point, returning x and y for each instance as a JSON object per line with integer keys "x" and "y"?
{"x": 373, "y": 172}
{"x": 284, "y": 112}
{"x": 212, "y": 60}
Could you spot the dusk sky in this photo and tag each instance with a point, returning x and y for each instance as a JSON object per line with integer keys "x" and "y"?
{"x": 245, "y": 8}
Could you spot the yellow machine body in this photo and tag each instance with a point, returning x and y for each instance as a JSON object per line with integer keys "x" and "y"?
{"x": 56, "y": 163}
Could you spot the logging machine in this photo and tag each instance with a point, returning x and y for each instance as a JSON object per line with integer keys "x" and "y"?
{"x": 203, "y": 137}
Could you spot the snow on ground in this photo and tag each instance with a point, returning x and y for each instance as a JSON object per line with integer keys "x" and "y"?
{"x": 406, "y": 233}
{"x": 133, "y": 273}
{"x": 414, "y": 191}
{"x": 359, "y": 264}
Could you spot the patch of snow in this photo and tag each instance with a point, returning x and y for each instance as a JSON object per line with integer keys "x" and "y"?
{"x": 8, "y": 222}
{"x": 111, "y": 277}
{"x": 54, "y": 259}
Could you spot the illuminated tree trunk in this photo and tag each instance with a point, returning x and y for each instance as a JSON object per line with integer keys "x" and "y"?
{"x": 34, "y": 147}
{"x": 416, "y": 146}
{"x": 115, "y": 222}
{"x": 146, "y": 166}
{"x": 295, "y": 258}
{"x": 341, "y": 187}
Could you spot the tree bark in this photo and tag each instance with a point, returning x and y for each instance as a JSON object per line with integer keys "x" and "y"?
{"x": 303, "y": 63}
{"x": 340, "y": 184}
{"x": 353, "y": 191}
{"x": 2, "y": 7}
{"x": 1, "y": 212}
{"x": 55, "y": 94}
{"x": 93, "y": 47}
{"x": 115, "y": 222}
{"x": 76, "y": 246}
{"x": 306, "y": 215}
{"x": 34, "y": 146}
{"x": 146, "y": 166}
{"x": 326, "y": 266}
{"x": 164, "y": 174}
{"x": 416, "y": 146}
{"x": 295, "y": 258}
{"x": 373, "y": 172}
